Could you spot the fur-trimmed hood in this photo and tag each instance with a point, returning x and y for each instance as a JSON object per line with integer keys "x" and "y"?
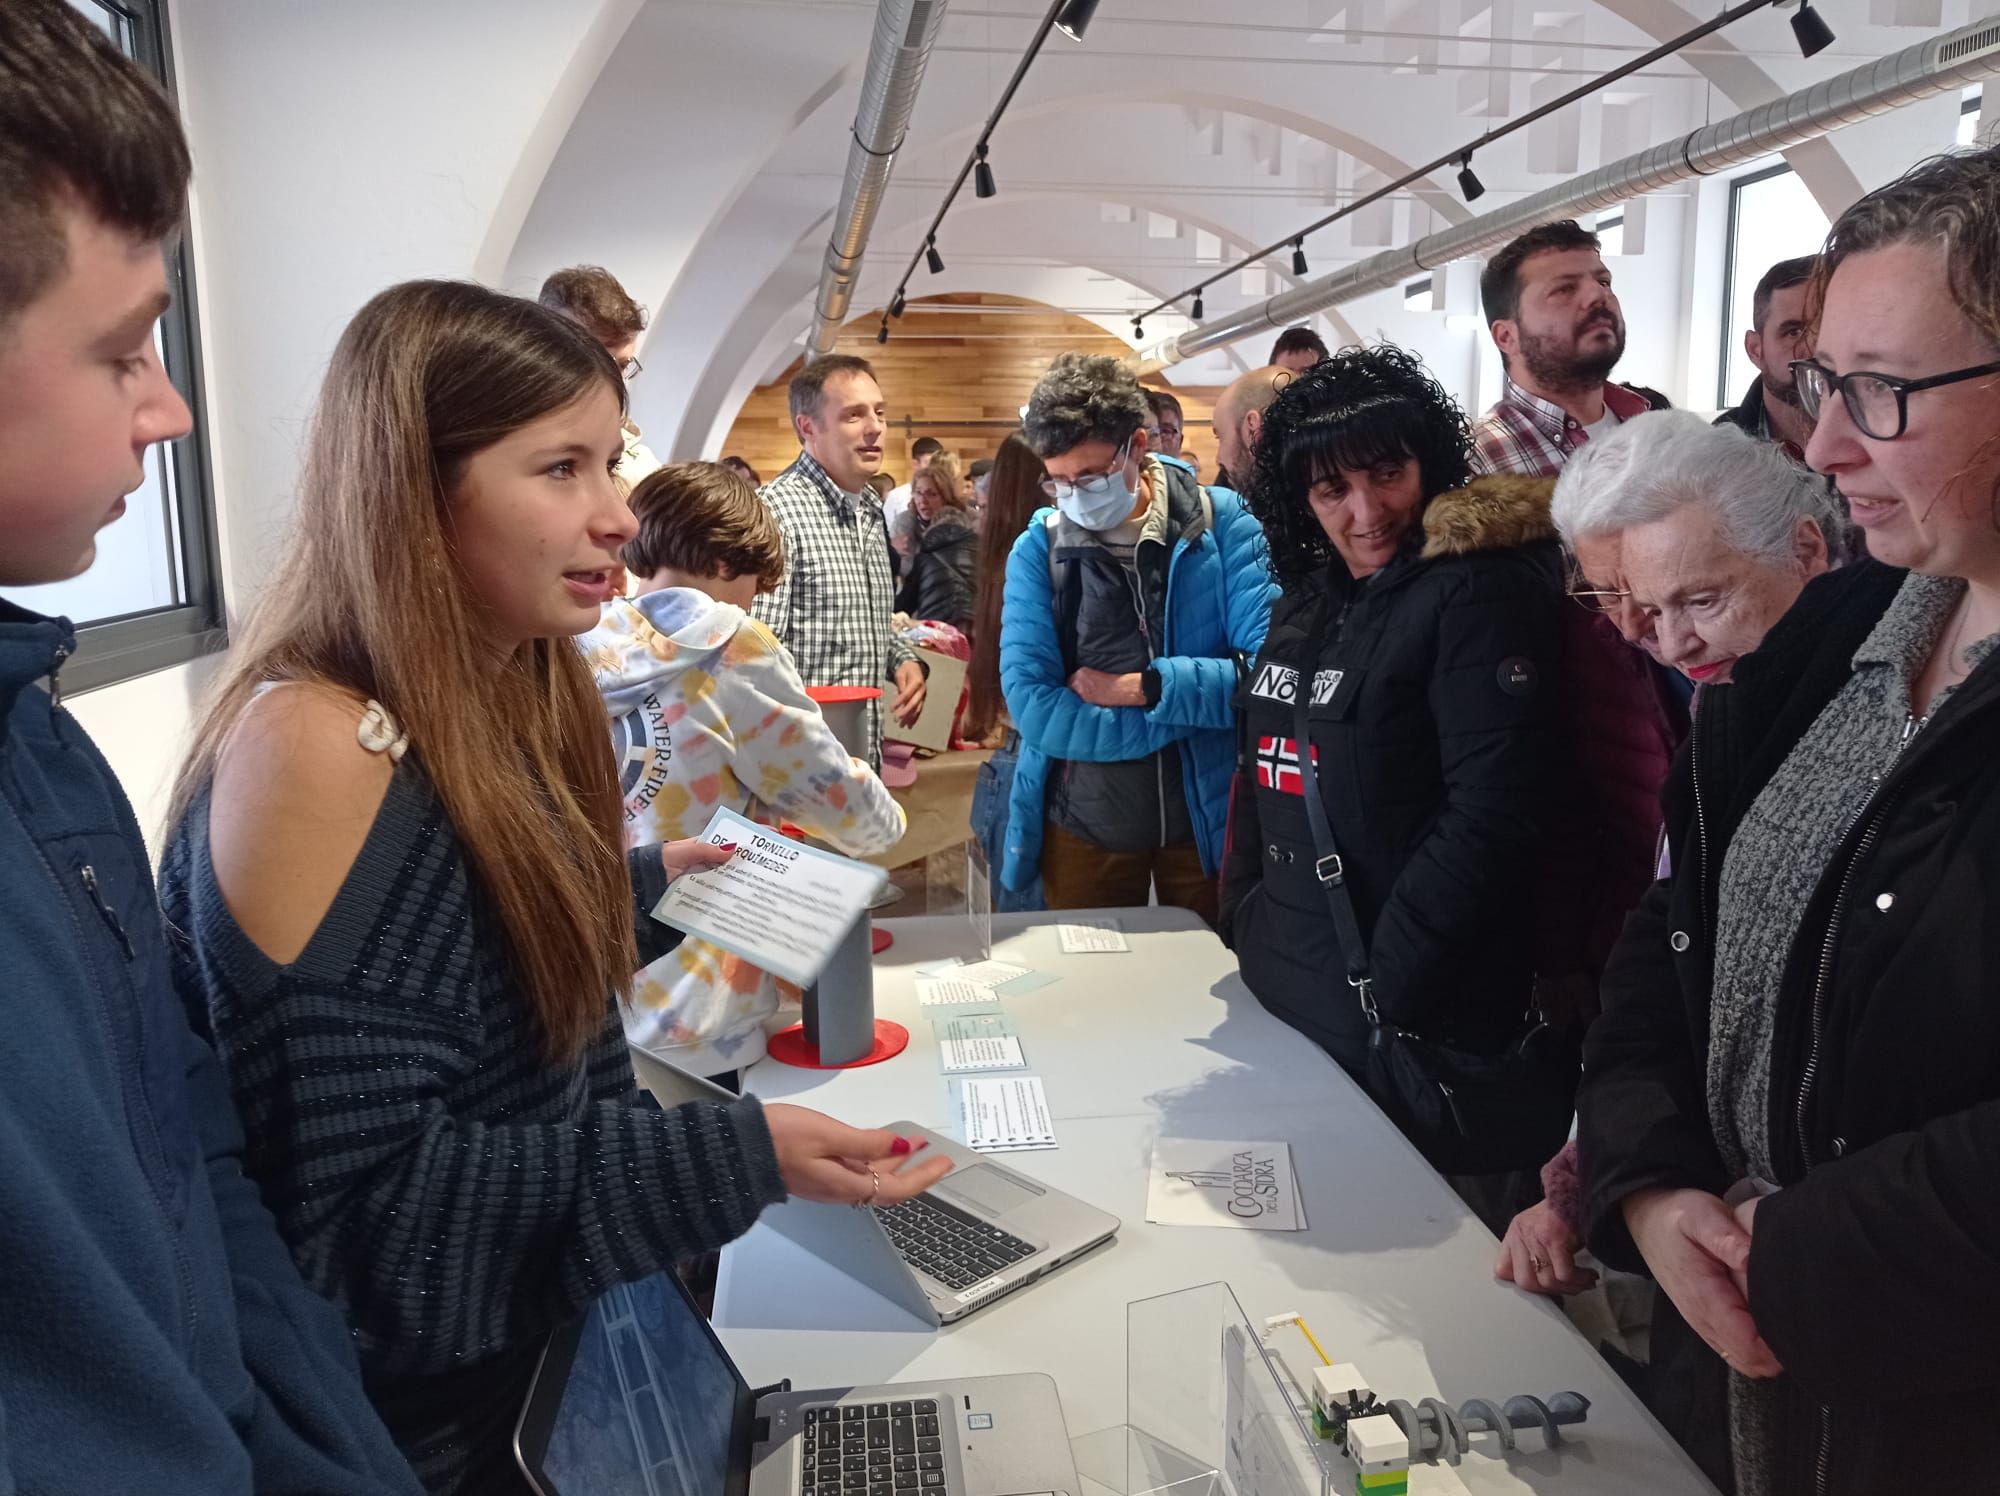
{"x": 1496, "y": 512}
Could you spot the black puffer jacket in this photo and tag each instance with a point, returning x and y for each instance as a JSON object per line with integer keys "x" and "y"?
{"x": 1875, "y": 1271}
{"x": 939, "y": 584}
{"x": 1435, "y": 727}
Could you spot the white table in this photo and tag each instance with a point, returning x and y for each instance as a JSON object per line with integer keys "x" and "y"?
{"x": 1394, "y": 1274}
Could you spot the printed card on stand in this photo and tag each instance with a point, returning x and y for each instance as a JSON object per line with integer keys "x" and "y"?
{"x": 1248, "y": 1186}
{"x": 1090, "y": 936}
{"x": 777, "y": 903}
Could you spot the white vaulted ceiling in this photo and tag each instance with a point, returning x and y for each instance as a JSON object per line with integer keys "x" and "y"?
{"x": 703, "y": 161}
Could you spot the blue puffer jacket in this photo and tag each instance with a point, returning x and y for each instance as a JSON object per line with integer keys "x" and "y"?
{"x": 1218, "y": 604}
{"x": 154, "y": 1334}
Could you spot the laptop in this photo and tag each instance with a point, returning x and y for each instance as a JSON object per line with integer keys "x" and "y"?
{"x": 980, "y": 1233}
{"x": 639, "y": 1398}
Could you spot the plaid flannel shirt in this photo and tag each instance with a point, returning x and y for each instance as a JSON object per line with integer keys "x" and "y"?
{"x": 1526, "y": 434}
{"x": 832, "y": 610}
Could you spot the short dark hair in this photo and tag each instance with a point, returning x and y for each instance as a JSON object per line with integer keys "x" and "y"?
{"x": 1353, "y": 410}
{"x": 704, "y": 519}
{"x": 1084, "y": 397}
{"x": 1500, "y": 281}
{"x": 981, "y": 466}
{"x": 590, "y": 296}
{"x": 808, "y": 386}
{"x": 925, "y": 446}
{"x": 1159, "y": 402}
{"x": 77, "y": 118}
{"x": 1780, "y": 277}
{"x": 1300, "y": 339}
{"x": 738, "y": 465}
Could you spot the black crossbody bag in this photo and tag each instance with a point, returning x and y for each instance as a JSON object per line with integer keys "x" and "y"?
{"x": 1467, "y": 1112}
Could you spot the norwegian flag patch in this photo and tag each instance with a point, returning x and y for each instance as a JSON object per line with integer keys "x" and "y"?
{"x": 1278, "y": 765}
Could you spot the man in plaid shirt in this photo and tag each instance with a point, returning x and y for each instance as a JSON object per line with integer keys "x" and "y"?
{"x": 1558, "y": 326}
{"x": 832, "y": 610}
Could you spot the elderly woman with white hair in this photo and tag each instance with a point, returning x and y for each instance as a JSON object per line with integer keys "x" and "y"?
{"x": 1698, "y": 538}
{"x": 1714, "y": 532}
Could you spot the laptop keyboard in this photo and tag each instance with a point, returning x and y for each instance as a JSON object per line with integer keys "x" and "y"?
{"x": 952, "y": 1245}
{"x": 874, "y": 1449}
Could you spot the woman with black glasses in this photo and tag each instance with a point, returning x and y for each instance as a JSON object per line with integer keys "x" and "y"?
{"x": 1791, "y": 1112}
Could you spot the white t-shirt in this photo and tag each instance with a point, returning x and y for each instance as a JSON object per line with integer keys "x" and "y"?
{"x": 1602, "y": 427}
{"x": 895, "y": 507}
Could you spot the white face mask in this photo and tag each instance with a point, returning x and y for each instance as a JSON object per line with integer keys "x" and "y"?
{"x": 1102, "y": 501}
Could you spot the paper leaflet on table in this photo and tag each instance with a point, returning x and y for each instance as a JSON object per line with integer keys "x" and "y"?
{"x": 1248, "y": 1186}
{"x": 1007, "y": 1114}
{"x": 1092, "y": 936}
{"x": 954, "y": 994}
{"x": 777, "y": 903}
{"x": 1008, "y": 978}
{"x": 977, "y": 1041}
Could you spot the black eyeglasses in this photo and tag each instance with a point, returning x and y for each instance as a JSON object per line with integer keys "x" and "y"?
{"x": 1878, "y": 404}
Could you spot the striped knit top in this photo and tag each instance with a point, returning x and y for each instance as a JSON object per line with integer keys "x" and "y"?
{"x": 457, "y": 1194}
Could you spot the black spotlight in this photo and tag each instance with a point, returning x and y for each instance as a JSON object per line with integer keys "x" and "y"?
{"x": 1298, "y": 257}
{"x": 982, "y": 177}
{"x": 882, "y": 333}
{"x": 1470, "y": 185}
{"x": 1138, "y": 328}
{"x": 1197, "y": 306}
{"x": 1813, "y": 33}
{"x": 932, "y": 258}
{"x": 1074, "y": 18}
{"x": 896, "y": 306}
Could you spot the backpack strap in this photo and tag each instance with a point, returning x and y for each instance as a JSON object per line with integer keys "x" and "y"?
{"x": 1065, "y": 594}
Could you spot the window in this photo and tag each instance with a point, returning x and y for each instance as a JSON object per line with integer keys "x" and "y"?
{"x": 1772, "y": 217}
{"x": 1610, "y": 231}
{"x": 1968, "y": 119}
{"x": 152, "y": 598}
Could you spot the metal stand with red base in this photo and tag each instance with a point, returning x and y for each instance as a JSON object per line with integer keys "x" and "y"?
{"x": 841, "y": 1029}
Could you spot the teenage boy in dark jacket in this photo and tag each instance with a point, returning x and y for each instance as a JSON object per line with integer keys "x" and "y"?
{"x": 154, "y": 1334}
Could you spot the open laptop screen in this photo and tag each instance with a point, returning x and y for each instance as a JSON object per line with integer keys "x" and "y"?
{"x": 639, "y": 1399}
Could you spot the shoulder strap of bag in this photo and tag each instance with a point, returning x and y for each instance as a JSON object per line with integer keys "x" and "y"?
{"x": 1327, "y": 866}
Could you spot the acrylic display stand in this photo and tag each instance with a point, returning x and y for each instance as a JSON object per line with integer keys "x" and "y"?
{"x": 1207, "y": 1412}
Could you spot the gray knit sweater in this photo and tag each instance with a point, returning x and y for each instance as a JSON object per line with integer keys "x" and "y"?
{"x": 457, "y": 1194}
{"x": 1773, "y": 867}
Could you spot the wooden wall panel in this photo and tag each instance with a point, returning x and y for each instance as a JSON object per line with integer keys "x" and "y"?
{"x": 958, "y": 368}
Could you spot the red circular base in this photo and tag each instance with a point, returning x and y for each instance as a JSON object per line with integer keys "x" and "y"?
{"x": 880, "y": 941}
{"x": 789, "y": 1047}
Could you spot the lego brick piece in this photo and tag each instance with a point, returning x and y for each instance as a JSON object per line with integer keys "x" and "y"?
{"x": 1337, "y": 1386}
{"x": 1388, "y": 1483}
{"x": 1376, "y": 1443}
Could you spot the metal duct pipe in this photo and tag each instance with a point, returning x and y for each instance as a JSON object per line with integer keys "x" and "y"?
{"x": 1942, "y": 64}
{"x": 905, "y": 32}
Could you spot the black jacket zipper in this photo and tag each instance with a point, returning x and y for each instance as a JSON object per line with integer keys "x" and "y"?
{"x": 88, "y": 875}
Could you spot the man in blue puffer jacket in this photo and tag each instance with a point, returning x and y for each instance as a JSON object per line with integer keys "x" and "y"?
{"x": 1127, "y": 611}
{"x": 154, "y": 1334}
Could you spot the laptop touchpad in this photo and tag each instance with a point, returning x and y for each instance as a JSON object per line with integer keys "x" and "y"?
{"x": 986, "y": 1189}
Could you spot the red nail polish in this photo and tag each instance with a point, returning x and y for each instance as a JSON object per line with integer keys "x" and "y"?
{"x": 728, "y": 846}
{"x": 900, "y": 1147}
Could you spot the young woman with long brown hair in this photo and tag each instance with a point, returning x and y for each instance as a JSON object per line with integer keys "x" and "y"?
{"x": 397, "y": 872}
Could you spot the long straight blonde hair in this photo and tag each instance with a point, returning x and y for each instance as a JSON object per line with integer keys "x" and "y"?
{"x": 370, "y": 597}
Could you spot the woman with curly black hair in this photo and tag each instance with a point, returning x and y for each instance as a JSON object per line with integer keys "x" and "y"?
{"x": 1421, "y": 625}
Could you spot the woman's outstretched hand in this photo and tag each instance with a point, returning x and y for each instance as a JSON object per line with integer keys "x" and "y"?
{"x": 825, "y": 1160}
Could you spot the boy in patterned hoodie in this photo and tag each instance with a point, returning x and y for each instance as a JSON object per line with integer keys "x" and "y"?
{"x": 708, "y": 710}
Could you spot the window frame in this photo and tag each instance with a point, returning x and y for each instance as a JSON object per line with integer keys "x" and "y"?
{"x": 125, "y": 646}
{"x": 1723, "y": 398}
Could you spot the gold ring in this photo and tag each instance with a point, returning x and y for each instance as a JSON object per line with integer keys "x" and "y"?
{"x": 875, "y": 1183}
{"x": 1537, "y": 1263}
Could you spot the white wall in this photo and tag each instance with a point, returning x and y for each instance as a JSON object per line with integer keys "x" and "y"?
{"x": 338, "y": 149}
